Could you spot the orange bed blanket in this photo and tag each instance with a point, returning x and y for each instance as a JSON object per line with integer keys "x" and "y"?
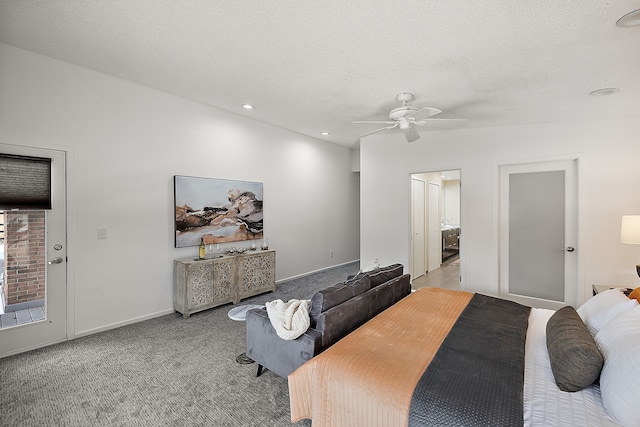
{"x": 368, "y": 377}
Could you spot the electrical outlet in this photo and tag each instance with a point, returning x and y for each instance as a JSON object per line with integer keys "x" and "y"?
{"x": 331, "y": 254}
{"x": 102, "y": 233}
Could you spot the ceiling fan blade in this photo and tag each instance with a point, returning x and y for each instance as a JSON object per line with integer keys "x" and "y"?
{"x": 387, "y": 122}
{"x": 411, "y": 134}
{"x": 379, "y": 130}
{"x": 442, "y": 123}
{"x": 424, "y": 113}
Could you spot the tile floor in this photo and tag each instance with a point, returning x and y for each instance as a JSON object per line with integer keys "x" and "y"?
{"x": 20, "y": 317}
{"x": 445, "y": 276}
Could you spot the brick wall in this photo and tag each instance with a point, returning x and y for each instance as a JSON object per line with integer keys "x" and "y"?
{"x": 24, "y": 257}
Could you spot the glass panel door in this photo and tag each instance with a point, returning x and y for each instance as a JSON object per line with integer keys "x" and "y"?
{"x": 538, "y": 233}
{"x": 34, "y": 266}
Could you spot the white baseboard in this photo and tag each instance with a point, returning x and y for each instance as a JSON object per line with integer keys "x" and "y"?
{"x": 35, "y": 347}
{"x": 315, "y": 271}
{"x": 124, "y": 323}
{"x": 169, "y": 311}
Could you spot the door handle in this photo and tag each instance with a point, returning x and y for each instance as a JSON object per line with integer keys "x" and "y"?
{"x": 57, "y": 260}
{"x": 570, "y": 249}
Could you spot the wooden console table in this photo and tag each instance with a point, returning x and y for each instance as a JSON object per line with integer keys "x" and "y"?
{"x": 202, "y": 284}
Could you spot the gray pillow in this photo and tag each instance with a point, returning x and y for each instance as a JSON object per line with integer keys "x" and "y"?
{"x": 575, "y": 359}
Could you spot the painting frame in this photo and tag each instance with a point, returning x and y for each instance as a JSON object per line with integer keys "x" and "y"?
{"x": 216, "y": 210}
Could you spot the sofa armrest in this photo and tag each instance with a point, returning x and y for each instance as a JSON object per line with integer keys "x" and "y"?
{"x": 281, "y": 357}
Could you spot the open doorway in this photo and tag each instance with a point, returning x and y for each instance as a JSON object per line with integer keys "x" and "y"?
{"x": 435, "y": 229}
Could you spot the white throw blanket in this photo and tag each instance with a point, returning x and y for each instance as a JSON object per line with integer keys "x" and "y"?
{"x": 290, "y": 319}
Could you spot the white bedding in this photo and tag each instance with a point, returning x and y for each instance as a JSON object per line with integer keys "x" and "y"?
{"x": 545, "y": 405}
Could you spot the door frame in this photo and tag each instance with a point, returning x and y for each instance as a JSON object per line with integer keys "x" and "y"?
{"x": 70, "y": 215}
{"x": 574, "y": 291}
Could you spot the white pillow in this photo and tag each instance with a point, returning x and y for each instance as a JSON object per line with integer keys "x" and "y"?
{"x": 619, "y": 342}
{"x": 600, "y": 309}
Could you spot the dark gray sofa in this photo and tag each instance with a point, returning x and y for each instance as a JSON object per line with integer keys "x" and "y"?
{"x": 334, "y": 313}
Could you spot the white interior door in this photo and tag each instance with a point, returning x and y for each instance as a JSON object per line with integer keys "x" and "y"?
{"x": 52, "y": 328}
{"x": 435, "y": 231}
{"x": 418, "y": 228}
{"x": 538, "y": 233}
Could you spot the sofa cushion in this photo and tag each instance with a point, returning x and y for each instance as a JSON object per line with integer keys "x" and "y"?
{"x": 337, "y": 322}
{"x": 384, "y": 274}
{"x": 329, "y": 297}
{"x": 575, "y": 359}
{"x": 359, "y": 284}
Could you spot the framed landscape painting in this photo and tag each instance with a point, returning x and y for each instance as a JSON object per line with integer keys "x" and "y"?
{"x": 216, "y": 210}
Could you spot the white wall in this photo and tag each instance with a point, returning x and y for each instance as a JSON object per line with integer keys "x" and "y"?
{"x": 609, "y": 181}
{"x": 126, "y": 142}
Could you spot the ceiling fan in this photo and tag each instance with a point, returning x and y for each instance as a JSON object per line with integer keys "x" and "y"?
{"x": 407, "y": 118}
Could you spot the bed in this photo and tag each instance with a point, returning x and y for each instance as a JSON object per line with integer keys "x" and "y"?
{"x": 442, "y": 357}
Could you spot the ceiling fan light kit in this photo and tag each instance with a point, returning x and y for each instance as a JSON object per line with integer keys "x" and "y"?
{"x": 406, "y": 118}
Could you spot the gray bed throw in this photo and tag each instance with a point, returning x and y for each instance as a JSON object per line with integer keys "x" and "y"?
{"x": 477, "y": 376}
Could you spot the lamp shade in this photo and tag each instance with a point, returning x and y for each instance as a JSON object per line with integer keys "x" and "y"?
{"x": 630, "y": 230}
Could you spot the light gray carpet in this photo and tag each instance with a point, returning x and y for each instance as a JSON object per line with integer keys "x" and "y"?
{"x": 167, "y": 371}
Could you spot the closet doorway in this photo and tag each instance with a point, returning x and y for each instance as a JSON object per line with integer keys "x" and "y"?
{"x": 435, "y": 229}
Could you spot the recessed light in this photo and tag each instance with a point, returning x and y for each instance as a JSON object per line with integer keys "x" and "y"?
{"x": 247, "y": 106}
{"x": 324, "y": 133}
{"x": 604, "y": 91}
{"x": 631, "y": 19}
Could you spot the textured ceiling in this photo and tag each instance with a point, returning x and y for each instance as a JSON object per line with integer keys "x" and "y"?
{"x": 313, "y": 66}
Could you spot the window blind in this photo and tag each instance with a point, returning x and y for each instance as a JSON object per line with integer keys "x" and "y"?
{"x": 25, "y": 182}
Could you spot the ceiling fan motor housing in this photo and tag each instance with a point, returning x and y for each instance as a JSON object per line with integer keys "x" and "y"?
{"x": 401, "y": 112}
